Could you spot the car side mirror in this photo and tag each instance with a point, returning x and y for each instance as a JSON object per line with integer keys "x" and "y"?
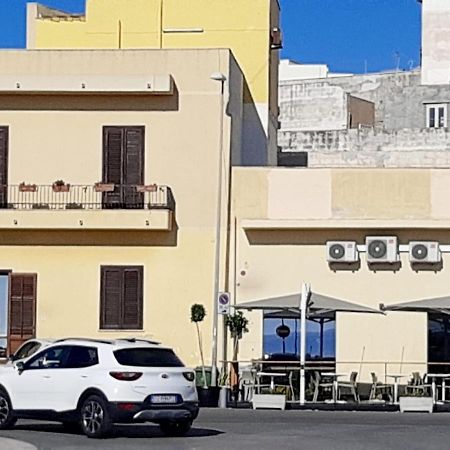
{"x": 19, "y": 367}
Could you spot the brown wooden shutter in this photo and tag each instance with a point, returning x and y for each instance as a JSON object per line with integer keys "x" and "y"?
{"x": 133, "y": 166}
{"x": 123, "y": 165}
{"x": 3, "y": 166}
{"x": 22, "y": 309}
{"x": 121, "y": 297}
{"x": 132, "y": 298}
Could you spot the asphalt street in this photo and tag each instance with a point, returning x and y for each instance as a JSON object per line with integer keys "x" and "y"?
{"x": 247, "y": 429}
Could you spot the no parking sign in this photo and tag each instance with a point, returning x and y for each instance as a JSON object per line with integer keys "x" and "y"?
{"x": 223, "y": 302}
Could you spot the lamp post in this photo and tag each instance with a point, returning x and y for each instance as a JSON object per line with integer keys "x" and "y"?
{"x": 221, "y": 78}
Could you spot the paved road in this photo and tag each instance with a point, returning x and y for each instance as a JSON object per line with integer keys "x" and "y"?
{"x": 246, "y": 429}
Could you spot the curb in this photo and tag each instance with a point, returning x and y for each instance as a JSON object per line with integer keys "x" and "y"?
{"x": 13, "y": 444}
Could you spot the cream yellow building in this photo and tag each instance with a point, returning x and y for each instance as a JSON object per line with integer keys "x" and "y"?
{"x": 250, "y": 28}
{"x": 129, "y": 256}
{"x": 285, "y": 217}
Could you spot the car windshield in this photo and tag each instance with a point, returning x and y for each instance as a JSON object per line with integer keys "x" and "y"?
{"x": 147, "y": 357}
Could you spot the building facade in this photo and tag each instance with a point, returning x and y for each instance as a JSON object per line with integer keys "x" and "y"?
{"x": 111, "y": 165}
{"x": 171, "y": 24}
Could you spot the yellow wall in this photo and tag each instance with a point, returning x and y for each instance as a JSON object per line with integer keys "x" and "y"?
{"x": 59, "y": 136}
{"x": 284, "y": 217}
{"x": 240, "y": 25}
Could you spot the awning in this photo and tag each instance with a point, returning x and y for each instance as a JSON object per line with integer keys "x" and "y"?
{"x": 318, "y": 305}
{"x": 437, "y": 304}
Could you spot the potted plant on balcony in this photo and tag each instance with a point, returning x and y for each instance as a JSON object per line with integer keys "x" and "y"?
{"x": 208, "y": 395}
{"x": 60, "y": 186}
{"x": 26, "y": 187}
{"x": 104, "y": 187}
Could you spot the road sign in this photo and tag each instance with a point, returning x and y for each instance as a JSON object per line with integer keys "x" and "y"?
{"x": 223, "y": 303}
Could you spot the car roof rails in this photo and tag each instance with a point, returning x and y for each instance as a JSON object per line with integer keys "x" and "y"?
{"x": 99, "y": 341}
{"x": 133, "y": 339}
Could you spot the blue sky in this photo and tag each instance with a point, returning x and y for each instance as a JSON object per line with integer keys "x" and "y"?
{"x": 348, "y": 35}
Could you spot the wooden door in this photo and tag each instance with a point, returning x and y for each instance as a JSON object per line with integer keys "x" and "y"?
{"x": 123, "y": 165}
{"x": 22, "y": 309}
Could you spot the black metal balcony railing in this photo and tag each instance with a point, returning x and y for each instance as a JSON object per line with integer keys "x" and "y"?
{"x": 85, "y": 197}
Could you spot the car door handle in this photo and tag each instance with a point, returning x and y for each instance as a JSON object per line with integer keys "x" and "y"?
{"x": 47, "y": 377}
{"x": 83, "y": 376}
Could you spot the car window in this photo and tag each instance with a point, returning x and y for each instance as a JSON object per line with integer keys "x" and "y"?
{"x": 51, "y": 358}
{"x": 26, "y": 350}
{"x": 80, "y": 356}
{"x": 147, "y": 357}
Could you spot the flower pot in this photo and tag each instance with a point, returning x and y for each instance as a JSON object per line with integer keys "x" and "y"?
{"x": 269, "y": 401}
{"x": 61, "y": 187}
{"x": 208, "y": 397}
{"x": 104, "y": 187}
{"x": 416, "y": 404}
{"x": 27, "y": 187}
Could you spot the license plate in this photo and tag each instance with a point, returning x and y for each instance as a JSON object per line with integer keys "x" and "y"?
{"x": 163, "y": 399}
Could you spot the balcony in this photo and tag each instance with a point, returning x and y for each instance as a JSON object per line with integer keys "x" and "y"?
{"x": 91, "y": 207}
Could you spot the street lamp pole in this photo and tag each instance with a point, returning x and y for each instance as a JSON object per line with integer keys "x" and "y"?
{"x": 217, "y": 76}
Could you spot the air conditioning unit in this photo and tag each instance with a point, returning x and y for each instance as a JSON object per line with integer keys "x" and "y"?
{"x": 342, "y": 252}
{"x": 382, "y": 249}
{"x": 424, "y": 252}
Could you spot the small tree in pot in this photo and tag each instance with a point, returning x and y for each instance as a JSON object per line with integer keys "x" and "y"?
{"x": 198, "y": 313}
{"x": 237, "y": 325}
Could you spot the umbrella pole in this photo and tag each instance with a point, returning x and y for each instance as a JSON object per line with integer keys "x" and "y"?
{"x": 303, "y": 300}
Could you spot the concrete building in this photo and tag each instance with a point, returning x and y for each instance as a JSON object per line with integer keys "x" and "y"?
{"x": 171, "y": 24}
{"x": 129, "y": 256}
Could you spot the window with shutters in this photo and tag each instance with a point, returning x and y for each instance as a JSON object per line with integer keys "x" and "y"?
{"x": 121, "y": 298}
{"x": 437, "y": 115}
{"x": 123, "y": 166}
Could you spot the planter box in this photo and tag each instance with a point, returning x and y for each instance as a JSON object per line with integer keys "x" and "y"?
{"x": 147, "y": 188}
{"x": 61, "y": 187}
{"x": 104, "y": 187}
{"x": 27, "y": 187}
{"x": 269, "y": 401}
{"x": 208, "y": 397}
{"x": 416, "y": 404}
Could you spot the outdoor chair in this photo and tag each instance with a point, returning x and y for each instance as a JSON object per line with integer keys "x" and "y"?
{"x": 379, "y": 388}
{"x": 352, "y": 385}
{"x": 320, "y": 385}
{"x": 288, "y": 387}
{"x": 417, "y": 385}
{"x": 247, "y": 384}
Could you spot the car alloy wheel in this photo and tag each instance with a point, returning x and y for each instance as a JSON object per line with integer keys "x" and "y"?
{"x": 94, "y": 417}
{"x": 7, "y": 420}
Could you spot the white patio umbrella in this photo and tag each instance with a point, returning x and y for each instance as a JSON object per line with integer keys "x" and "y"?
{"x": 436, "y": 304}
{"x": 306, "y": 304}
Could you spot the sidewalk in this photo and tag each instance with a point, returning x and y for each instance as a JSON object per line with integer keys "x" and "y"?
{"x": 12, "y": 444}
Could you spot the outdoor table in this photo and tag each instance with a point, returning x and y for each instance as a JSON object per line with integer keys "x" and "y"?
{"x": 272, "y": 376}
{"x": 335, "y": 377}
{"x": 396, "y": 377}
{"x": 433, "y": 376}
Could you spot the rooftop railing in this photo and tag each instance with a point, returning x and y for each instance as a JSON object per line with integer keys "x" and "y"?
{"x": 85, "y": 197}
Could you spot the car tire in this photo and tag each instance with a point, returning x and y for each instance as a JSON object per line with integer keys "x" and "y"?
{"x": 7, "y": 419}
{"x": 95, "y": 418}
{"x": 176, "y": 428}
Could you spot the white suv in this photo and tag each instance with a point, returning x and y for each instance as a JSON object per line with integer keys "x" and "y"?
{"x": 95, "y": 383}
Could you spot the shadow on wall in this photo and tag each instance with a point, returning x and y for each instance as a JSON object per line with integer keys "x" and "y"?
{"x": 254, "y": 137}
{"x": 106, "y": 238}
{"x": 83, "y": 102}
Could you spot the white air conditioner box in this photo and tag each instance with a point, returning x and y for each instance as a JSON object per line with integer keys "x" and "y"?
{"x": 342, "y": 252}
{"x": 382, "y": 249}
{"x": 425, "y": 252}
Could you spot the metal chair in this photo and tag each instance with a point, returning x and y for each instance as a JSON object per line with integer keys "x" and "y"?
{"x": 380, "y": 388}
{"x": 319, "y": 385}
{"x": 248, "y": 384}
{"x": 290, "y": 392}
{"x": 351, "y": 384}
{"x": 417, "y": 384}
